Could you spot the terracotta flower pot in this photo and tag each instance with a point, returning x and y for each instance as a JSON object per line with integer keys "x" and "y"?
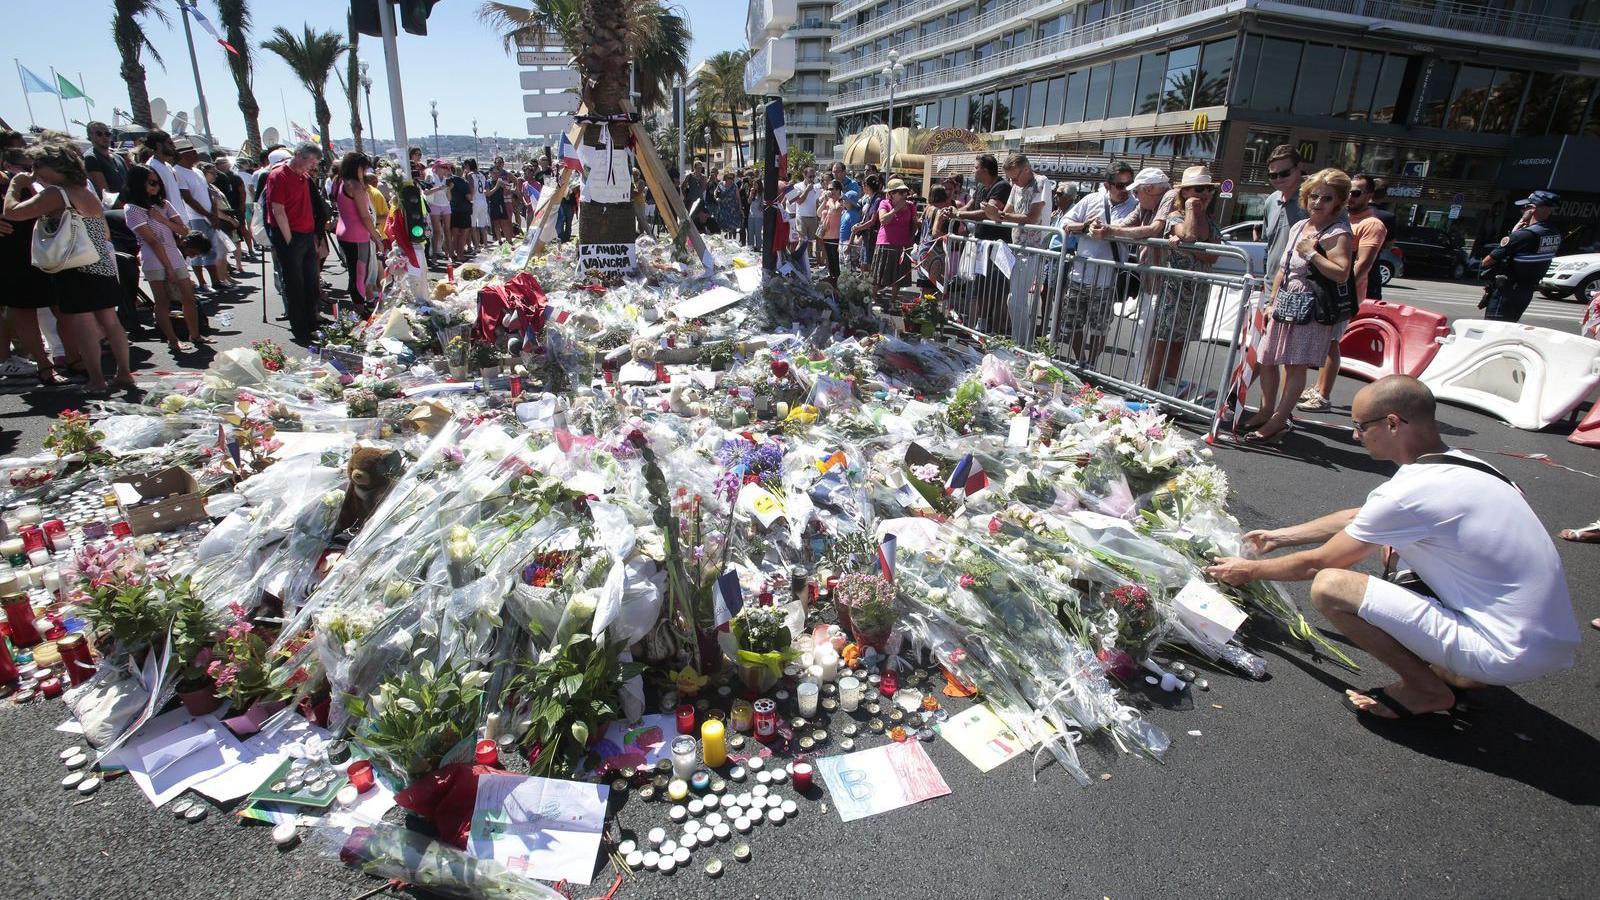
{"x": 201, "y": 700}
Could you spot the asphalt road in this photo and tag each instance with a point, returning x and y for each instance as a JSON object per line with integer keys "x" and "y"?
{"x": 1280, "y": 793}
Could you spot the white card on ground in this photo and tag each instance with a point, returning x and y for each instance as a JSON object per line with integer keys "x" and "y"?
{"x": 882, "y": 779}
{"x": 1204, "y": 609}
{"x": 1017, "y": 436}
{"x": 539, "y": 827}
{"x": 168, "y": 764}
{"x": 715, "y": 300}
{"x": 635, "y": 372}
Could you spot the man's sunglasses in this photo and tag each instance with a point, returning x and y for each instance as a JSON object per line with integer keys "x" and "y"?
{"x": 1358, "y": 427}
{"x": 1203, "y": 188}
{"x": 1277, "y": 174}
{"x": 1356, "y": 193}
{"x": 1123, "y": 185}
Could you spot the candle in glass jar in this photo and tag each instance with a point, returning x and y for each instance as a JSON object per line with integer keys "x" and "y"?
{"x": 889, "y": 684}
{"x": 52, "y": 580}
{"x": 29, "y": 515}
{"x": 828, "y": 661}
{"x": 801, "y": 773}
{"x": 686, "y": 718}
{"x": 743, "y": 714}
{"x": 849, "y": 693}
{"x": 11, "y": 548}
{"x": 684, "y": 756}
{"x": 713, "y": 746}
{"x": 766, "y": 719}
{"x": 806, "y": 696}
{"x": 814, "y": 674}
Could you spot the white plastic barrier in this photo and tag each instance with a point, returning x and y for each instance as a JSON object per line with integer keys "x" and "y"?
{"x": 1526, "y": 375}
{"x": 1222, "y": 313}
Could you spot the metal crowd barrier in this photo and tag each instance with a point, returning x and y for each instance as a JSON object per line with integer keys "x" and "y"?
{"x": 1140, "y": 329}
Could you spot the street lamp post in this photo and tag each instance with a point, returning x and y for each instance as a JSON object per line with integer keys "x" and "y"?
{"x": 678, "y": 92}
{"x": 892, "y": 71}
{"x": 477, "y": 148}
{"x": 708, "y": 146}
{"x": 434, "y": 106}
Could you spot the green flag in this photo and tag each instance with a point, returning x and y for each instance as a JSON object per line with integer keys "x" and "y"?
{"x": 70, "y": 91}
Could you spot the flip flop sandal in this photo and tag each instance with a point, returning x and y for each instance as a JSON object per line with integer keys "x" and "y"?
{"x": 1588, "y": 534}
{"x": 1401, "y": 713}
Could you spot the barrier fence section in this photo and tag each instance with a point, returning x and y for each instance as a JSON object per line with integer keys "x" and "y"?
{"x": 1156, "y": 323}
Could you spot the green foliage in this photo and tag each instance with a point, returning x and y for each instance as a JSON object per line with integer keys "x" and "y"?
{"x": 761, "y": 629}
{"x": 799, "y": 161}
{"x": 573, "y": 694}
{"x": 417, "y": 716}
{"x": 717, "y": 354}
{"x": 194, "y": 628}
{"x": 136, "y": 614}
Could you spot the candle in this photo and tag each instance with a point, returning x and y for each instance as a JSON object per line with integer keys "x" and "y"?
{"x": 686, "y": 718}
{"x": 849, "y": 693}
{"x": 360, "y": 773}
{"x": 11, "y": 548}
{"x": 828, "y": 661}
{"x": 32, "y": 538}
{"x": 487, "y": 753}
{"x": 801, "y": 773}
{"x": 712, "y": 744}
{"x": 814, "y": 676}
{"x": 29, "y": 515}
{"x": 684, "y": 756}
{"x": 492, "y": 726}
{"x": 678, "y": 789}
{"x": 52, "y": 581}
{"x": 19, "y": 614}
{"x": 766, "y": 721}
{"x": 806, "y": 696}
{"x": 743, "y": 715}
{"x": 889, "y": 683}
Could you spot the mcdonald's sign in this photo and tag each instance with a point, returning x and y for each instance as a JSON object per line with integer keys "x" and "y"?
{"x": 1201, "y": 122}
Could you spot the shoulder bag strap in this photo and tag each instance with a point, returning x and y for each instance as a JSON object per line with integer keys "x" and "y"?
{"x": 1448, "y": 460}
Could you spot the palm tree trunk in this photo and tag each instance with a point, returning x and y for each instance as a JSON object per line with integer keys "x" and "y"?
{"x": 240, "y": 64}
{"x": 353, "y": 81}
{"x": 138, "y": 94}
{"x": 324, "y": 125}
{"x": 605, "y": 27}
{"x": 738, "y": 148}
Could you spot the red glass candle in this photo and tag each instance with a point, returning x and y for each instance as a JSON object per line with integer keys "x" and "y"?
{"x": 121, "y": 529}
{"x": 361, "y": 776}
{"x": 801, "y": 773}
{"x": 50, "y": 687}
{"x": 516, "y": 386}
{"x": 686, "y": 718}
{"x": 19, "y": 613}
{"x": 487, "y": 753}
{"x": 32, "y": 538}
{"x": 889, "y": 684}
{"x": 766, "y": 720}
{"x": 55, "y": 534}
{"x": 662, "y": 375}
{"x": 8, "y": 666}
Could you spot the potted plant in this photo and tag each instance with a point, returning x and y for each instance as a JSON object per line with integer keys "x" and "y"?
{"x": 574, "y": 691}
{"x": 455, "y": 355}
{"x": 415, "y": 717}
{"x": 869, "y": 601}
{"x": 128, "y": 613}
{"x": 487, "y": 359}
{"x": 762, "y": 643}
{"x": 194, "y": 627}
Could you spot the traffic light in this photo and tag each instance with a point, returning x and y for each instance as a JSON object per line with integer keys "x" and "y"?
{"x": 413, "y": 15}
{"x": 411, "y": 207}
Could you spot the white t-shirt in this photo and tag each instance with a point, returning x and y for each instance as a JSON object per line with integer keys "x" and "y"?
{"x": 1097, "y": 204}
{"x": 1473, "y": 539}
{"x": 194, "y": 182}
{"x": 170, "y": 183}
{"x": 1021, "y": 199}
{"x": 806, "y": 208}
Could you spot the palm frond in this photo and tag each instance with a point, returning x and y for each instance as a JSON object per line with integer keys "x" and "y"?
{"x": 535, "y": 24}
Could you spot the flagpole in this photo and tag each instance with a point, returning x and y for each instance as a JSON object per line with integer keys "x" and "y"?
{"x": 24, "y": 83}
{"x": 88, "y": 108}
{"x": 65, "y": 125}
{"x": 286, "y": 124}
{"x": 194, "y": 63}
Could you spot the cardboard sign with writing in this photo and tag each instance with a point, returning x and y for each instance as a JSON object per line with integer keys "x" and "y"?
{"x": 607, "y": 259}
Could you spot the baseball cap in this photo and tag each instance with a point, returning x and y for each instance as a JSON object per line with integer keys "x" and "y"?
{"x": 279, "y": 155}
{"x": 852, "y": 196}
{"x": 1539, "y": 198}
{"x": 1151, "y": 175}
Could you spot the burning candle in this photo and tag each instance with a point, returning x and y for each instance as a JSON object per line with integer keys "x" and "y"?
{"x": 712, "y": 744}
{"x": 801, "y": 772}
{"x": 849, "y": 693}
{"x": 686, "y": 718}
{"x": 13, "y": 549}
{"x": 55, "y": 535}
{"x": 806, "y": 696}
{"x": 766, "y": 721}
{"x": 360, "y": 773}
{"x": 29, "y": 515}
{"x": 828, "y": 661}
{"x": 743, "y": 715}
{"x": 19, "y": 614}
{"x": 684, "y": 756}
{"x": 487, "y": 753}
{"x": 32, "y": 538}
{"x": 889, "y": 683}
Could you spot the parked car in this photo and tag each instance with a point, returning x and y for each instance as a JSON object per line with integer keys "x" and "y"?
{"x": 1431, "y": 251}
{"x": 1390, "y": 264}
{"x": 1571, "y": 276}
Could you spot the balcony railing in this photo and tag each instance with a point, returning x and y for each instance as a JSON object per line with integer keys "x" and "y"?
{"x": 808, "y": 122}
{"x": 898, "y": 19}
{"x": 1484, "y": 21}
{"x": 991, "y": 19}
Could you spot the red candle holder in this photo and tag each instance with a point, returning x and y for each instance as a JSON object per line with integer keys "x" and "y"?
{"x": 32, "y": 538}
{"x": 50, "y": 687}
{"x": 121, "y": 529}
{"x": 361, "y": 775}
{"x": 487, "y": 753}
{"x": 889, "y": 684}
{"x": 766, "y": 721}
{"x": 686, "y": 718}
{"x": 55, "y": 534}
{"x": 19, "y": 614}
{"x": 801, "y": 773}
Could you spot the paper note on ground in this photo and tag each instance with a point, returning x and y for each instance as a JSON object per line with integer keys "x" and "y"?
{"x": 636, "y": 744}
{"x": 714, "y": 300}
{"x": 882, "y": 779}
{"x": 169, "y": 764}
{"x": 539, "y": 827}
{"x": 981, "y": 736}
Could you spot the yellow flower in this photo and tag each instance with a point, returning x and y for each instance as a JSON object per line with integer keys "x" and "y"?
{"x": 688, "y": 681}
{"x": 805, "y": 414}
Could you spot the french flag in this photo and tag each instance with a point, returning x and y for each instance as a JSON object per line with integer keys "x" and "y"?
{"x": 569, "y": 156}
{"x": 886, "y": 557}
{"x": 779, "y": 132}
{"x": 727, "y": 598}
{"x": 194, "y": 10}
{"x": 968, "y": 477}
{"x": 228, "y": 446}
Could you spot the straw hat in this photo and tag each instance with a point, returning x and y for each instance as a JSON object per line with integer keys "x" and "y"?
{"x": 1196, "y": 176}
{"x": 896, "y": 184}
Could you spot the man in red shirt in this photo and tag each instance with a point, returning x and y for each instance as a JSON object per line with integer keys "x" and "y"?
{"x": 1370, "y": 236}
{"x": 293, "y": 232}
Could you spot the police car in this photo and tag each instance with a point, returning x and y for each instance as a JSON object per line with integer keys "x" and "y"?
{"x": 1571, "y": 276}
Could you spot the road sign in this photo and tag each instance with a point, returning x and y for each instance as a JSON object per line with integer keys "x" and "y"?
{"x": 544, "y": 58}
{"x": 549, "y": 79}
{"x": 550, "y": 127}
{"x": 550, "y": 103}
{"x": 1227, "y": 188}
{"x": 1455, "y": 211}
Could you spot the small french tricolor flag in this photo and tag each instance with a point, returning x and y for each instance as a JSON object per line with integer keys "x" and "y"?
{"x": 886, "y": 557}
{"x": 727, "y": 598}
{"x": 229, "y": 447}
{"x": 968, "y": 477}
{"x": 569, "y": 155}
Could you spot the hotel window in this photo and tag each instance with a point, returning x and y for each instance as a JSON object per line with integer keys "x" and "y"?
{"x": 1152, "y": 72}
{"x": 1505, "y": 96}
{"x": 1077, "y": 91}
{"x": 1352, "y": 96}
{"x": 1386, "y": 98}
{"x": 1052, "y": 100}
{"x": 1468, "y": 99}
{"x": 1319, "y": 75}
{"x": 1183, "y": 66}
{"x": 1099, "y": 91}
{"x": 1036, "y": 104}
{"x": 1216, "y": 65}
{"x": 1435, "y": 91}
{"x": 1275, "y": 75}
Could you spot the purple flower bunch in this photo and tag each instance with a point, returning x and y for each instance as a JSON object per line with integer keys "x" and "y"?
{"x": 746, "y": 461}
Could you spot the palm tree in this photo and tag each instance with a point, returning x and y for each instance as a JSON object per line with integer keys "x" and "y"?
{"x": 657, "y": 39}
{"x": 131, "y": 41}
{"x": 235, "y": 16}
{"x": 352, "y": 79}
{"x": 722, "y": 82}
{"x": 311, "y": 58}
{"x": 701, "y": 119}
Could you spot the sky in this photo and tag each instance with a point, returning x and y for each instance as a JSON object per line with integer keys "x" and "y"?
{"x": 460, "y": 63}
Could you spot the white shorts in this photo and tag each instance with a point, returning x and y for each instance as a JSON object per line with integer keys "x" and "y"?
{"x": 159, "y": 274}
{"x": 1444, "y": 637}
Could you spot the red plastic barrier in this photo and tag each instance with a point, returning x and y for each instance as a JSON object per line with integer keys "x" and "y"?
{"x": 1588, "y": 431}
{"x": 1389, "y": 339}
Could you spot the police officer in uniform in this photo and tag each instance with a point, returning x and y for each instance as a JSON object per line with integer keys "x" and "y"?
{"x": 1522, "y": 258}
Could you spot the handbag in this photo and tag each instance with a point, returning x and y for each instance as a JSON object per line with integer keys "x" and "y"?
{"x": 67, "y": 246}
{"x": 1129, "y": 284}
{"x": 1294, "y": 307}
{"x": 1335, "y": 300}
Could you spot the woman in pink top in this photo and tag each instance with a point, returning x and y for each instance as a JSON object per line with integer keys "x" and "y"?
{"x": 891, "y": 261}
{"x": 153, "y": 220}
{"x": 356, "y": 227}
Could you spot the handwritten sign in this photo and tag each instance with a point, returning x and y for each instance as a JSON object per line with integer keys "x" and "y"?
{"x": 539, "y": 827}
{"x": 981, "y": 736}
{"x": 607, "y": 179}
{"x": 606, "y": 259}
{"x": 882, "y": 779}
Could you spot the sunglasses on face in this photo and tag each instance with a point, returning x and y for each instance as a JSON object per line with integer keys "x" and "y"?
{"x": 1358, "y": 427}
{"x": 1354, "y": 192}
{"x": 1203, "y": 189}
{"x": 1277, "y": 174}
{"x": 1122, "y": 185}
